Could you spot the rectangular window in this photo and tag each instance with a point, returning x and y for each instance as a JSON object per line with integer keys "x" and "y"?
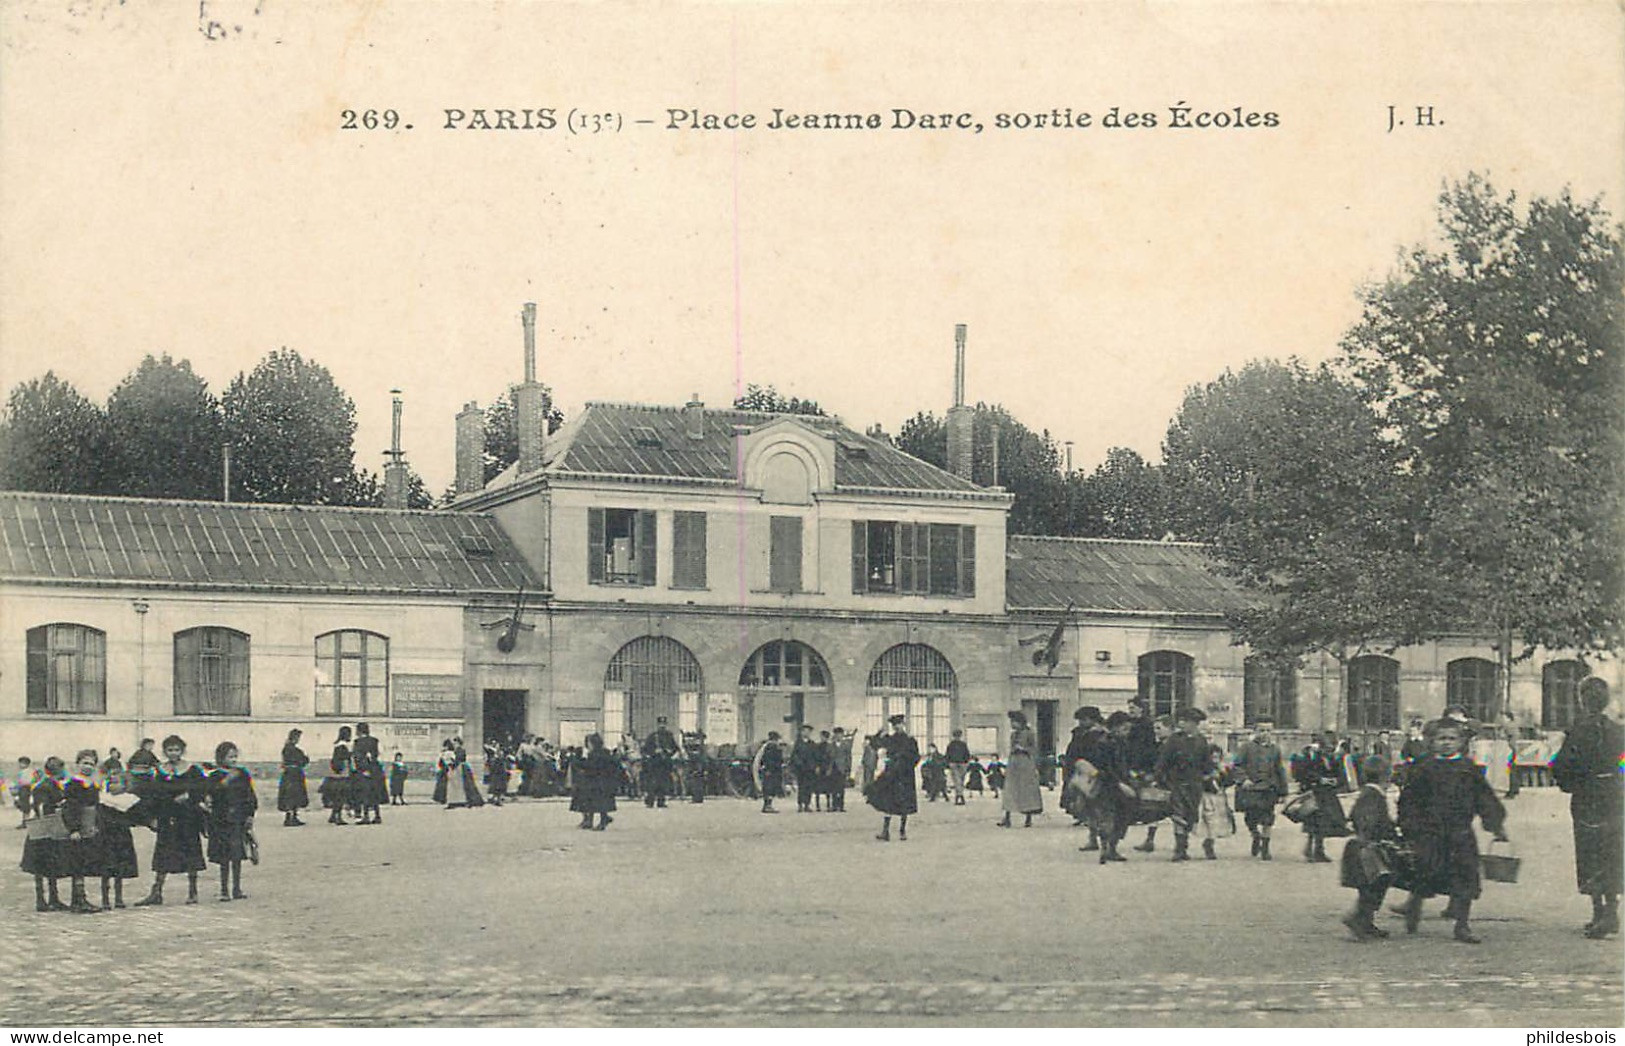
{"x": 67, "y": 669}
{"x": 688, "y": 550}
{"x": 688, "y": 713}
{"x": 211, "y": 672}
{"x": 784, "y": 570}
{"x": 936, "y": 559}
{"x": 620, "y": 546}
{"x": 352, "y": 674}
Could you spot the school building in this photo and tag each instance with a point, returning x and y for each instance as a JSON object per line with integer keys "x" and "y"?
{"x": 737, "y": 572}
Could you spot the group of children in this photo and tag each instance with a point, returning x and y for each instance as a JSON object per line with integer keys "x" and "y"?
{"x": 79, "y": 822}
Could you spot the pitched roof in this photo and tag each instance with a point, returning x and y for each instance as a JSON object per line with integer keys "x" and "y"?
{"x": 60, "y": 538}
{"x": 1096, "y": 574}
{"x": 624, "y": 439}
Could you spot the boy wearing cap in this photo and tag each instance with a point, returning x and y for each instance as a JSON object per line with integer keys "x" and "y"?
{"x": 1262, "y": 783}
{"x": 958, "y": 756}
{"x": 1181, "y": 766}
{"x": 768, "y": 769}
{"x": 804, "y": 764}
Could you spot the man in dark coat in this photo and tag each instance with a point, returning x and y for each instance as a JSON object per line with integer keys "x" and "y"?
{"x": 1261, "y": 783}
{"x": 1587, "y": 767}
{"x": 1442, "y": 795}
{"x": 1106, "y": 750}
{"x": 804, "y": 764}
{"x": 1181, "y": 766}
{"x": 840, "y": 768}
{"x": 659, "y": 753}
{"x": 1142, "y": 748}
{"x": 1088, "y": 718}
{"x": 768, "y": 770}
{"x": 892, "y": 791}
{"x": 958, "y": 756}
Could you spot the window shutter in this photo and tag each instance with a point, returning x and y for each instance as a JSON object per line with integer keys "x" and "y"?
{"x": 236, "y": 675}
{"x": 784, "y": 568}
{"x": 188, "y": 655}
{"x": 595, "y": 545}
{"x": 688, "y": 549}
{"x": 93, "y": 678}
{"x": 967, "y": 561}
{"x": 646, "y": 549}
{"x": 906, "y": 537}
{"x": 39, "y": 669}
{"x": 860, "y": 556}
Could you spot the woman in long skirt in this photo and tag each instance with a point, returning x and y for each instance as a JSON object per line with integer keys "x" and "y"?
{"x": 892, "y": 791}
{"x": 1021, "y": 790}
{"x": 292, "y": 795}
{"x": 1587, "y": 767}
{"x": 337, "y": 787}
{"x": 597, "y": 779}
{"x": 177, "y": 796}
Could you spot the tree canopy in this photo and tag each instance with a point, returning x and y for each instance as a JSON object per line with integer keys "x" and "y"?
{"x": 164, "y": 433}
{"x": 769, "y": 400}
{"x": 502, "y": 428}
{"x": 292, "y": 434}
{"x": 52, "y": 439}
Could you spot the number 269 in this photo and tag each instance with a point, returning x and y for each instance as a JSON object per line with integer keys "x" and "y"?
{"x": 369, "y": 120}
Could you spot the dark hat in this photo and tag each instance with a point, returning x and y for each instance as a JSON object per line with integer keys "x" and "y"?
{"x": 840, "y": 730}
{"x": 772, "y": 735}
{"x": 1191, "y": 713}
{"x": 1117, "y": 719}
{"x": 823, "y": 733}
{"x": 898, "y": 718}
{"x": 660, "y": 719}
{"x": 1088, "y": 714}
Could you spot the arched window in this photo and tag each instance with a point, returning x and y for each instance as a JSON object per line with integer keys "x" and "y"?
{"x": 783, "y": 681}
{"x": 915, "y": 680}
{"x": 650, "y": 677}
{"x": 211, "y": 671}
{"x": 1471, "y": 682}
{"x": 352, "y": 674}
{"x": 1560, "y": 693}
{"x": 1373, "y": 693}
{"x": 1167, "y": 681}
{"x": 67, "y": 669}
{"x": 1270, "y": 691}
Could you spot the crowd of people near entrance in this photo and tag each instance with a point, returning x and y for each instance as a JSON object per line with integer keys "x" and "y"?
{"x": 1119, "y": 770}
{"x": 81, "y": 818}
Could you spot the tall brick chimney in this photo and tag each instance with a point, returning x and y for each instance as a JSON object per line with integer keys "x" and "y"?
{"x": 528, "y": 401}
{"x": 395, "y": 466}
{"x": 470, "y": 449}
{"x": 961, "y": 422}
{"x": 694, "y": 417}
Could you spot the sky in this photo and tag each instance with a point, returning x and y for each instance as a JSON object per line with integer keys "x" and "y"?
{"x": 175, "y": 179}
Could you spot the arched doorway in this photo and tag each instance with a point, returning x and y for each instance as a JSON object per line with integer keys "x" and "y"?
{"x": 649, "y": 677}
{"x": 784, "y": 683}
{"x": 917, "y": 681}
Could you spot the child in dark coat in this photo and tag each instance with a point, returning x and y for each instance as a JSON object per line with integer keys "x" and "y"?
{"x": 119, "y": 861}
{"x": 1442, "y": 795}
{"x": 397, "y": 780}
{"x": 42, "y": 854}
{"x": 81, "y": 853}
{"x": 1371, "y": 861}
{"x": 232, "y": 803}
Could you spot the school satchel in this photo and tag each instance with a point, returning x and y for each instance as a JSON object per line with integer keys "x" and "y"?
{"x": 54, "y": 827}
{"x": 1499, "y": 868}
{"x": 1300, "y": 807}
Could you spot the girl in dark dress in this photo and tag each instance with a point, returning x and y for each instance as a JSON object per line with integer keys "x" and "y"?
{"x": 177, "y": 805}
{"x": 118, "y": 847}
{"x": 892, "y": 792}
{"x": 231, "y": 818}
{"x": 292, "y": 795}
{"x": 336, "y": 787}
{"x": 397, "y": 780}
{"x": 82, "y": 850}
{"x": 1587, "y": 767}
{"x": 1316, "y": 771}
{"x": 42, "y": 855}
{"x": 596, "y": 778}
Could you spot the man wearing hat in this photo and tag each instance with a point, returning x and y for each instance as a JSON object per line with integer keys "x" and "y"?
{"x": 840, "y": 769}
{"x": 1181, "y": 766}
{"x": 892, "y": 791}
{"x": 1089, "y": 721}
{"x": 768, "y": 770}
{"x": 659, "y": 750}
{"x": 804, "y": 764}
{"x": 1261, "y": 774}
{"x": 958, "y": 756}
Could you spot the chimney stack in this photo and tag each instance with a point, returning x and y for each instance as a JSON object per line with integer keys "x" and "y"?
{"x": 395, "y": 466}
{"x": 528, "y": 402}
{"x": 961, "y": 422}
{"x": 470, "y": 449}
{"x": 694, "y": 417}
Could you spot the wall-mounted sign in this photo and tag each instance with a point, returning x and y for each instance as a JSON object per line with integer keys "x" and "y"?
{"x": 284, "y": 701}
{"x": 721, "y": 720}
{"x": 426, "y": 696}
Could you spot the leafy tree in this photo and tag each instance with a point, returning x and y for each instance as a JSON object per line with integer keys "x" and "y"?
{"x": 767, "y": 399}
{"x": 1496, "y": 354}
{"x": 52, "y": 439}
{"x": 1285, "y": 472}
{"x": 164, "y": 432}
{"x": 1123, "y": 498}
{"x": 367, "y": 490}
{"x": 292, "y": 434}
{"x": 502, "y": 429}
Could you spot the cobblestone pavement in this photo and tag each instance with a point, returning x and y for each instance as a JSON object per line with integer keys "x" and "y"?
{"x": 716, "y": 915}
